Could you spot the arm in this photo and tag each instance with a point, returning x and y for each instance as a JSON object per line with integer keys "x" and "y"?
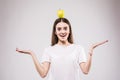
{"x": 41, "y": 68}
{"x": 85, "y": 66}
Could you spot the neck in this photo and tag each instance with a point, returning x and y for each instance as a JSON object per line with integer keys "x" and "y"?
{"x": 63, "y": 43}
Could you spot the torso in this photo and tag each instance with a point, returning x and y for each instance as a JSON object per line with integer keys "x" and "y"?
{"x": 64, "y": 62}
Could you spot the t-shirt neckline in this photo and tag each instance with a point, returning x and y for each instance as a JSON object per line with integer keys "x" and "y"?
{"x": 64, "y": 46}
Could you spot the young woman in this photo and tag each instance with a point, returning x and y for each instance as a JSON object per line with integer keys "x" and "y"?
{"x": 63, "y": 59}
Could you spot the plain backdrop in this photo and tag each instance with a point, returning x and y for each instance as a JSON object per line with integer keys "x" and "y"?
{"x": 27, "y": 24}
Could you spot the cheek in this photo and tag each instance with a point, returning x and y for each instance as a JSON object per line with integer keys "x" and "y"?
{"x": 68, "y": 31}
{"x": 56, "y": 33}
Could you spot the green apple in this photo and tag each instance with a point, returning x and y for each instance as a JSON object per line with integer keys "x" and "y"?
{"x": 60, "y": 13}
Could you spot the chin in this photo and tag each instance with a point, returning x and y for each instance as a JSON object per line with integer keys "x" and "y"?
{"x": 63, "y": 40}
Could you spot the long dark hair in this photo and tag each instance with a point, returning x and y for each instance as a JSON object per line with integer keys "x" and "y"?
{"x": 54, "y": 39}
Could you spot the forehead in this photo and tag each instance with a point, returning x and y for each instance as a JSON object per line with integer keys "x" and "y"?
{"x": 62, "y": 24}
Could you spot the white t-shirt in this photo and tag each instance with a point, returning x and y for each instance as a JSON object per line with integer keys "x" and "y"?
{"x": 64, "y": 61}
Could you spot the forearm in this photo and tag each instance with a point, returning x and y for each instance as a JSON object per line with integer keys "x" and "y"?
{"x": 41, "y": 68}
{"x": 88, "y": 63}
{"x": 38, "y": 66}
{"x": 86, "y": 66}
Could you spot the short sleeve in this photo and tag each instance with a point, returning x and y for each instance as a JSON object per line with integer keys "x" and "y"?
{"x": 45, "y": 56}
{"x": 82, "y": 55}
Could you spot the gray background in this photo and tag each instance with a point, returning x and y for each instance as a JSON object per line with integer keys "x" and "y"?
{"x": 27, "y": 24}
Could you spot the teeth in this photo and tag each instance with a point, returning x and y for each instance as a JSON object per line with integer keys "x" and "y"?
{"x": 62, "y": 35}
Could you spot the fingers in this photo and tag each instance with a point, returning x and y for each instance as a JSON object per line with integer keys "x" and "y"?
{"x": 102, "y": 42}
{"x": 105, "y": 41}
{"x": 24, "y": 51}
{"x": 98, "y": 44}
{"x": 17, "y": 50}
{"x": 21, "y": 51}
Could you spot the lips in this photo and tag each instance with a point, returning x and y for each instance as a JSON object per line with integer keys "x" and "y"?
{"x": 63, "y": 35}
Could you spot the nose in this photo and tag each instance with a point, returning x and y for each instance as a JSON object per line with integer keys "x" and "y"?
{"x": 62, "y": 31}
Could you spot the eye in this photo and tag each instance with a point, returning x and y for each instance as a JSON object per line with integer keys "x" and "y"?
{"x": 58, "y": 28}
{"x": 65, "y": 28}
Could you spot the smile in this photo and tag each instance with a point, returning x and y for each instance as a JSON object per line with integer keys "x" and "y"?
{"x": 63, "y": 35}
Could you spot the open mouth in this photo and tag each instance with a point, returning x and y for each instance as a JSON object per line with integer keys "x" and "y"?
{"x": 62, "y": 35}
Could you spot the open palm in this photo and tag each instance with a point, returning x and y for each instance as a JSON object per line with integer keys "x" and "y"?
{"x": 24, "y": 51}
{"x": 96, "y": 45}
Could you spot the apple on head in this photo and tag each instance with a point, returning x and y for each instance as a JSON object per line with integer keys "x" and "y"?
{"x": 60, "y": 13}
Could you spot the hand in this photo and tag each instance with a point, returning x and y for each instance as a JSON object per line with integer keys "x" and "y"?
{"x": 24, "y": 51}
{"x": 96, "y": 45}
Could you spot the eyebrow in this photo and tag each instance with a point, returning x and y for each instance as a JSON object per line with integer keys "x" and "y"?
{"x": 60, "y": 27}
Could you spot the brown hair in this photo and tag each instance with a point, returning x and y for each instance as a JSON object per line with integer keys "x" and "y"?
{"x": 54, "y": 39}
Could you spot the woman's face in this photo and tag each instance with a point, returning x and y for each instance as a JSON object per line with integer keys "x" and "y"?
{"x": 62, "y": 31}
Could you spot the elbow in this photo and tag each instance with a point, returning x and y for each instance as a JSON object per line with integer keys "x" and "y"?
{"x": 86, "y": 72}
{"x": 43, "y": 75}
